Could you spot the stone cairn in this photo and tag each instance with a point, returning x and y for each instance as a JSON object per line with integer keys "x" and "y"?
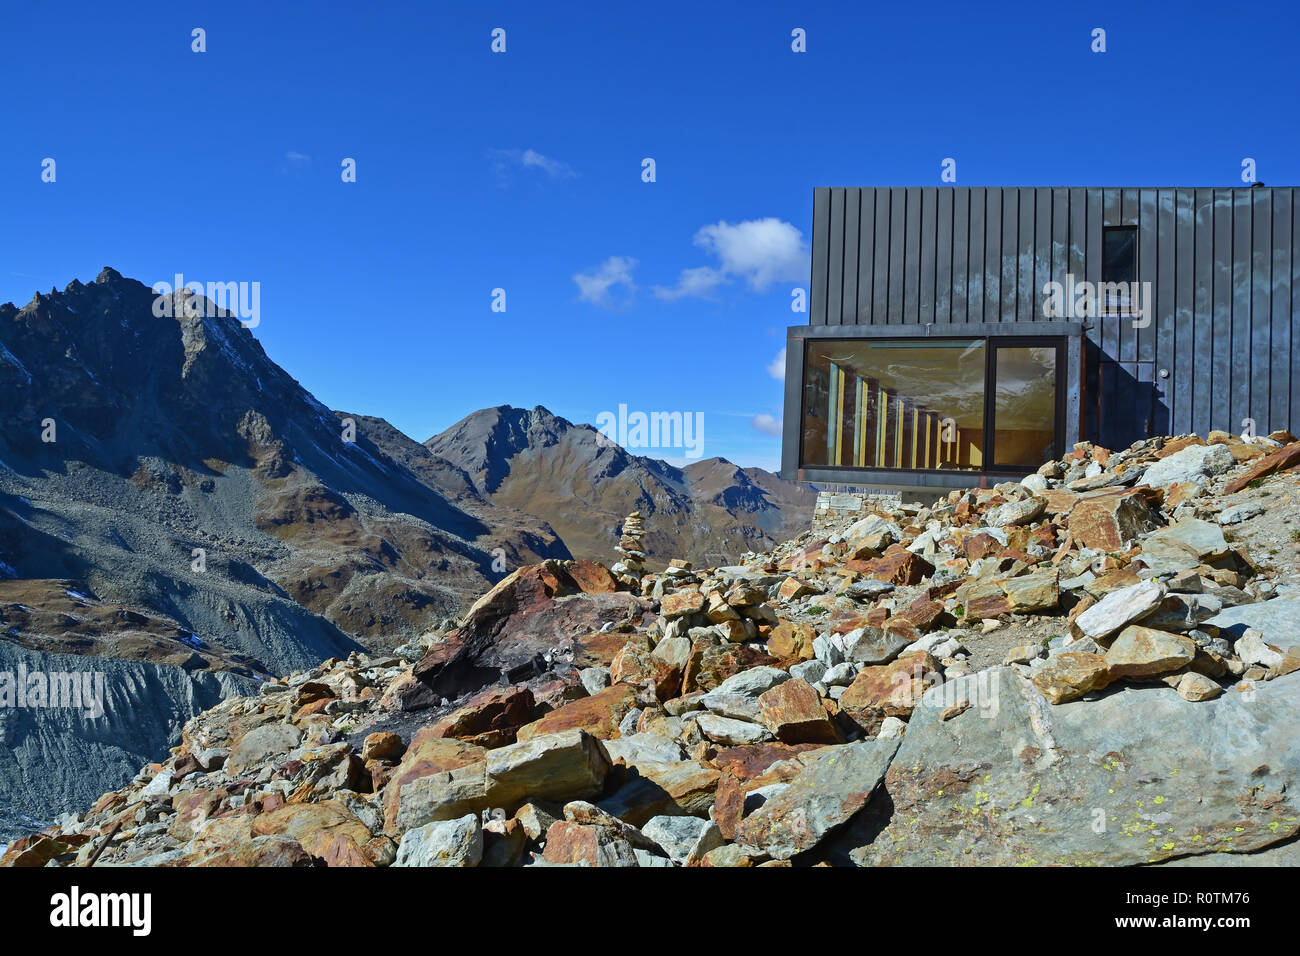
{"x": 630, "y": 569}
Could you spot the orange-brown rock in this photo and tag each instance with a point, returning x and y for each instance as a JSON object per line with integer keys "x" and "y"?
{"x": 382, "y": 746}
{"x": 1106, "y": 520}
{"x": 590, "y": 577}
{"x": 598, "y": 649}
{"x": 681, "y": 603}
{"x": 427, "y": 754}
{"x": 490, "y": 718}
{"x": 792, "y": 710}
{"x": 926, "y": 614}
{"x": 1284, "y": 458}
{"x": 790, "y": 641}
{"x": 897, "y": 566}
{"x": 888, "y": 690}
{"x": 326, "y": 830}
{"x": 711, "y": 664}
{"x": 598, "y": 714}
{"x": 1071, "y": 674}
{"x": 585, "y": 844}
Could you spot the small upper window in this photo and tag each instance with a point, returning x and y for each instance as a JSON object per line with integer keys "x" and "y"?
{"x": 1119, "y": 256}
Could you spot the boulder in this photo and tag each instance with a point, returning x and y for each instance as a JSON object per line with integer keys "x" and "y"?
{"x": 456, "y": 842}
{"x": 1284, "y": 458}
{"x": 1118, "y": 609}
{"x": 1071, "y": 674}
{"x": 684, "y": 839}
{"x": 896, "y": 566}
{"x": 789, "y": 640}
{"x": 731, "y": 732}
{"x": 889, "y": 690}
{"x": 1133, "y": 778}
{"x": 569, "y": 765}
{"x": 1106, "y": 520}
{"x": 428, "y": 754}
{"x": 599, "y": 714}
{"x": 259, "y": 745}
{"x": 873, "y": 645}
{"x": 834, "y": 785}
{"x": 586, "y": 845}
{"x": 1189, "y": 464}
{"x": 793, "y": 712}
{"x": 1144, "y": 652}
{"x": 1023, "y": 594}
{"x": 685, "y": 788}
{"x": 1015, "y": 512}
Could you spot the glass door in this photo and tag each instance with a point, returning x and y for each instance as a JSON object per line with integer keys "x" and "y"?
{"x": 1026, "y": 405}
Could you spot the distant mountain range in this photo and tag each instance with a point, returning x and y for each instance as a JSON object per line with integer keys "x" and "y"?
{"x": 172, "y": 500}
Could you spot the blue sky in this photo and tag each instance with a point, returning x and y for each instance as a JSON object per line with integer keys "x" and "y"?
{"x": 523, "y": 170}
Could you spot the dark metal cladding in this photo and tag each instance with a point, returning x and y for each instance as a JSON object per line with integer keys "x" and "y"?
{"x": 1221, "y": 349}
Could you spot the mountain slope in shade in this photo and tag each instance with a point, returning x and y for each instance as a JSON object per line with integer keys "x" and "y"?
{"x": 583, "y": 486}
{"x": 176, "y": 436}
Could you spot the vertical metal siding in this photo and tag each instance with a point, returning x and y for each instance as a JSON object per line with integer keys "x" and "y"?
{"x": 1224, "y": 276}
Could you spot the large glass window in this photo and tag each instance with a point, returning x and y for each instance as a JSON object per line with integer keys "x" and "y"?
{"x": 931, "y": 404}
{"x": 892, "y": 403}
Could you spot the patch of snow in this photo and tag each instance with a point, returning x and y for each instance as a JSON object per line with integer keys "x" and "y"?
{"x": 13, "y": 360}
{"x": 76, "y": 595}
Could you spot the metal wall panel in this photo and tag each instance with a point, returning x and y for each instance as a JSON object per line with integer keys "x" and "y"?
{"x": 1222, "y": 345}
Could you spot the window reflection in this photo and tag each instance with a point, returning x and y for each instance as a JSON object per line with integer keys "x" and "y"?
{"x": 894, "y": 404}
{"x": 1024, "y": 410}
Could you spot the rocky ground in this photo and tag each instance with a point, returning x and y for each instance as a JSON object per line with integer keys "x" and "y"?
{"x": 1095, "y": 665}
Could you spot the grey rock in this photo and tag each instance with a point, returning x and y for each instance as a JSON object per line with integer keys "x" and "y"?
{"x": 456, "y": 842}
{"x": 733, "y": 733}
{"x": 1016, "y": 512}
{"x": 683, "y": 837}
{"x": 841, "y": 675}
{"x": 891, "y": 728}
{"x": 867, "y": 589}
{"x": 1252, "y": 649}
{"x": 834, "y": 785}
{"x": 827, "y": 651}
{"x": 594, "y": 679}
{"x": 810, "y": 671}
{"x": 1278, "y": 620}
{"x": 1024, "y": 782}
{"x": 259, "y": 745}
{"x": 752, "y": 682}
{"x": 1235, "y": 514}
{"x": 872, "y": 645}
{"x": 639, "y": 748}
{"x": 1192, "y": 462}
{"x": 1120, "y": 608}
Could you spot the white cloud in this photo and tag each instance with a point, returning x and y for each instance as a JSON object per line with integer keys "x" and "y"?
{"x": 594, "y": 286}
{"x": 776, "y": 368}
{"x": 759, "y": 251}
{"x": 506, "y": 160}
{"x": 767, "y": 424}
{"x": 698, "y": 282}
